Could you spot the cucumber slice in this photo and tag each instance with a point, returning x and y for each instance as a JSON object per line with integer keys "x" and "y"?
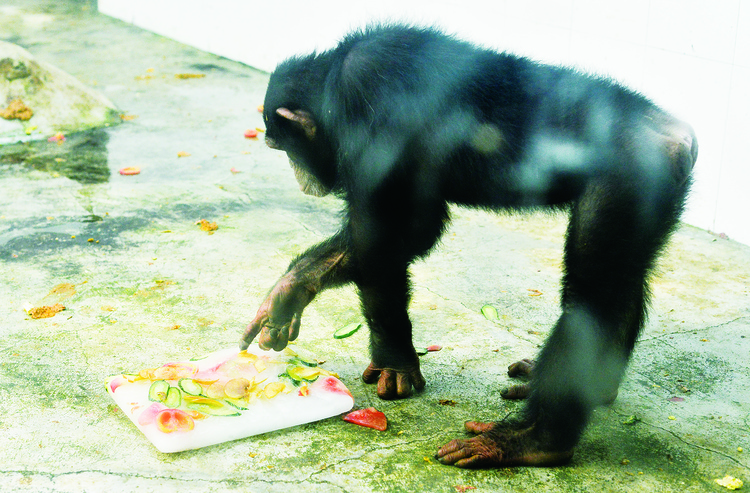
{"x": 304, "y": 361}
{"x": 210, "y": 406}
{"x": 490, "y": 312}
{"x": 347, "y": 331}
{"x": 240, "y": 404}
{"x": 174, "y": 398}
{"x": 190, "y": 386}
{"x": 158, "y": 391}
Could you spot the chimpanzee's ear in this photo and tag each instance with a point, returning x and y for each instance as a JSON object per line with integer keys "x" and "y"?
{"x": 301, "y": 118}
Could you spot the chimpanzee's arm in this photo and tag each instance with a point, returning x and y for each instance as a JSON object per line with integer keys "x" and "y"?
{"x": 325, "y": 265}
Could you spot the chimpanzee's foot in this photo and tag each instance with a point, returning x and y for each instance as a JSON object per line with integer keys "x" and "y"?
{"x": 500, "y": 446}
{"x": 394, "y": 383}
{"x": 518, "y": 369}
{"x": 525, "y": 367}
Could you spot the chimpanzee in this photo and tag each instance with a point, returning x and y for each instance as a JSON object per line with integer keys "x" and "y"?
{"x": 400, "y": 121}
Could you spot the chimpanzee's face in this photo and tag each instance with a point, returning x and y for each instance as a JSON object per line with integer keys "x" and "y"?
{"x": 276, "y": 138}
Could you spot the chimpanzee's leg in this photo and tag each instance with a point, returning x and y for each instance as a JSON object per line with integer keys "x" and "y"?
{"x": 614, "y": 235}
{"x": 383, "y": 254}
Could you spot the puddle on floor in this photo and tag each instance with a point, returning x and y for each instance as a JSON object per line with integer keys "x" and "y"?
{"x": 81, "y": 157}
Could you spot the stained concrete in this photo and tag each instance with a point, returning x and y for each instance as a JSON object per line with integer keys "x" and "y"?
{"x": 151, "y": 286}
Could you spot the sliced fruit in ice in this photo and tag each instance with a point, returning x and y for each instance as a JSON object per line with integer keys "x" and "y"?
{"x": 273, "y": 389}
{"x": 170, "y": 420}
{"x": 158, "y": 391}
{"x": 190, "y": 386}
{"x": 214, "y": 407}
{"x": 238, "y": 388}
{"x": 149, "y": 414}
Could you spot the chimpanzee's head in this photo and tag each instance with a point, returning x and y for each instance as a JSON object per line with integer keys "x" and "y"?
{"x": 293, "y": 99}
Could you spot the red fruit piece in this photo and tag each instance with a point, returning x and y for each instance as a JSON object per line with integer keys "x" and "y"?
{"x": 434, "y": 347}
{"x": 251, "y": 133}
{"x": 331, "y": 384}
{"x": 116, "y": 382}
{"x": 149, "y": 414}
{"x": 170, "y": 420}
{"x": 131, "y": 170}
{"x": 370, "y": 417}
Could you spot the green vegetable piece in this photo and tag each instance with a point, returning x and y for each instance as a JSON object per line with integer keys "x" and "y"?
{"x": 421, "y": 350}
{"x": 174, "y": 398}
{"x": 190, "y": 386}
{"x": 303, "y": 373}
{"x": 210, "y": 406}
{"x": 631, "y": 420}
{"x": 305, "y": 361}
{"x": 158, "y": 391}
{"x": 490, "y": 312}
{"x": 347, "y": 331}
{"x": 240, "y": 404}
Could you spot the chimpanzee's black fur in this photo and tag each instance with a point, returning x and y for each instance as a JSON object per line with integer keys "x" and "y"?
{"x": 402, "y": 121}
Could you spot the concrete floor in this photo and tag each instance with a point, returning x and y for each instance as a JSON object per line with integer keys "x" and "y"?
{"x": 152, "y": 287}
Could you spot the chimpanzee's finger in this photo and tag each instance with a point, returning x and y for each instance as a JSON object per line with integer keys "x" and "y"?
{"x": 250, "y": 332}
{"x": 282, "y": 339}
{"x": 387, "y": 387}
{"x": 417, "y": 380}
{"x": 294, "y": 326}
{"x": 523, "y": 367}
{"x": 403, "y": 384}
{"x": 267, "y": 338}
{"x": 371, "y": 374}
{"x": 478, "y": 427}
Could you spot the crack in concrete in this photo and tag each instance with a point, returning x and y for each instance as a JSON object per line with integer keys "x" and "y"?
{"x": 376, "y": 449}
{"x": 657, "y": 337}
{"x": 688, "y": 443}
{"x": 54, "y": 476}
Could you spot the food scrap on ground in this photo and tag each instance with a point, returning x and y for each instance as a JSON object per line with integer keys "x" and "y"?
{"x": 183, "y": 154}
{"x": 347, "y": 331}
{"x": 729, "y": 482}
{"x": 447, "y": 402}
{"x": 260, "y": 108}
{"x": 534, "y": 292}
{"x": 490, "y": 312}
{"x": 130, "y": 170}
{"x": 189, "y": 76}
{"x": 370, "y": 418}
{"x": 58, "y": 137}
{"x": 207, "y": 226}
{"x": 17, "y": 110}
{"x": 127, "y": 118}
{"x": 235, "y": 170}
{"x": 433, "y": 348}
{"x": 44, "y": 311}
{"x": 463, "y": 488}
{"x": 251, "y": 133}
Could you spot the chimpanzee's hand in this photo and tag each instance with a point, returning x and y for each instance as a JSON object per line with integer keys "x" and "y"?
{"x": 278, "y": 318}
{"x": 395, "y": 383}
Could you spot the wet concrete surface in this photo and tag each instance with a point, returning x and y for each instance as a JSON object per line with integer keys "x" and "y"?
{"x": 150, "y": 286}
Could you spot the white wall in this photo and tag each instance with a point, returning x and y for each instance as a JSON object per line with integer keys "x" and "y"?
{"x": 691, "y": 56}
